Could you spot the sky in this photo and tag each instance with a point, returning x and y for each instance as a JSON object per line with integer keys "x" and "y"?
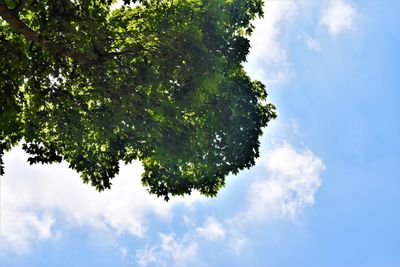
{"x": 324, "y": 192}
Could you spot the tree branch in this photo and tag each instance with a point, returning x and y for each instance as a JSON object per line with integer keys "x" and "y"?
{"x": 11, "y": 16}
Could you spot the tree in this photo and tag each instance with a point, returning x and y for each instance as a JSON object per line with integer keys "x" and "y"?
{"x": 157, "y": 81}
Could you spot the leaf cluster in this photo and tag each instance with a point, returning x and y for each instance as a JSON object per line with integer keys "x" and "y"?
{"x": 160, "y": 81}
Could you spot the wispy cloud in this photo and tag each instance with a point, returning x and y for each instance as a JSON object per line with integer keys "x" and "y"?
{"x": 339, "y": 16}
{"x": 171, "y": 251}
{"x": 268, "y": 60}
{"x": 312, "y": 44}
{"x": 181, "y": 251}
{"x": 291, "y": 180}
{"x": 212, "y": 229}
{"x": 33, "y": 197}
{"x": 148, "y": 256}
{"x": 20, "y": 228}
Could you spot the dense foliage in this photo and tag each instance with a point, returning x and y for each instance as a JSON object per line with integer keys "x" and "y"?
{"x": 157, "y": 81}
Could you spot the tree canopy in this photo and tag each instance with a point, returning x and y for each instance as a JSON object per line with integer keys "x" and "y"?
{"x": 157, "y": 81}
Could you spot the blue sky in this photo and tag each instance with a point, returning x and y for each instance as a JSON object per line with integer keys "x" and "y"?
{"x": 323, "y": 193}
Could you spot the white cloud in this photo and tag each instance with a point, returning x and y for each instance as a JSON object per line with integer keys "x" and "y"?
{"x": 174, "y": 251}
{"x": 34, "y": 197}
{"x": 170, "y": 252}
{"x": 292, "y": 177}
{"x": 148, "y": 256}
{"x": 290, "y": 183}
{"x": 212, "y": 229}
{"x": 29, "y": 191}
{"x": 291, "y": 180}
{"x": 124, "y": 251}
{"x": 268, "y": 60}
{"x": 339, "y": 17}
{"x": 180, "y": 251}
{"x": 236, "y": 244}
{"x": 312, "y": 44}
{"x": 23, "y": 228}
{"x": 188, "y": 221}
